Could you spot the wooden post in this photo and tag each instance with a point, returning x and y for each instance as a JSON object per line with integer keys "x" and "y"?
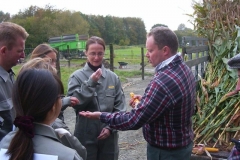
{"x": 111, "y": 57}
{"x": 68, "y": 59}
{"x": 58, "y": 64}
{"x": 142, "y": 52}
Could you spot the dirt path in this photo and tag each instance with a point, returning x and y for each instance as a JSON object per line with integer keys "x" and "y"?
{"x": 131, "y": 143}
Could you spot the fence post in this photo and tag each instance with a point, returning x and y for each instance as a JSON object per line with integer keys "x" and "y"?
{"x": 111, "y": 57}
{"x": 68, "y": 59}
{"x": 142, "y": 53}
{"x": 197, "y": 56}
{"x": 58, "y": 64}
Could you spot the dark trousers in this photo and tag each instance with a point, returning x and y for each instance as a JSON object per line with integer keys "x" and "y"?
{"x": 106, "y": 149}
{"x": 183, "y": 153}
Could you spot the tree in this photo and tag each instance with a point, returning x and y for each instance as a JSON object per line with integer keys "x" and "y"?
{"x": 110, "y": 30}
{"x": 4, "y": 16}
{"x": 186, "y": 32}
{"x": 67, "y": 22}
{"x": 42, "y": 23}
{"x": 129, "y": 31}
{"x": 181, "y": 27}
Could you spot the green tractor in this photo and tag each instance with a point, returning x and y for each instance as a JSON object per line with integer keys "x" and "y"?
{"x": 69, "y": 46}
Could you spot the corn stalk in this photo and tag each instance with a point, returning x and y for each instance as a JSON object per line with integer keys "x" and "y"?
{"x": 219, "y": 22}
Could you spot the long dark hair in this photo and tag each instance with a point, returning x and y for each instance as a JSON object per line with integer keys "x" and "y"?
{"x": 34, "y": 94}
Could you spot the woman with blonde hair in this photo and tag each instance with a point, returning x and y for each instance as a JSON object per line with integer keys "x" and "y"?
{"x": 48, "y": 53}
{"x": 45, "y": 51}
{"x": 38, "y": 63}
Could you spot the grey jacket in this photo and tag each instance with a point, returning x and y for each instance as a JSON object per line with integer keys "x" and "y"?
{"x": 7, "y": 112}
{"x": 45, "y": 141}
{"x": 106, "y": 95}
{"x": 65, "y": 103}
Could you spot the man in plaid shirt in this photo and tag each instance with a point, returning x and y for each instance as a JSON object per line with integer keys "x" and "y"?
{"x": 166, "y": 108}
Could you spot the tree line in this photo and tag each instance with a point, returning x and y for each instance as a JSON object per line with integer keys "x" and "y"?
{"x": 43, "y": 23}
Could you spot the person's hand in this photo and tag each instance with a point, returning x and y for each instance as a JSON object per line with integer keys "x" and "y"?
{"x": 74, "y": 101}
{"x": 96, "y": 75}
{"x": 132, "y": 101}
{"x": 104, "y": 134}
{"x": 91, "y": 115}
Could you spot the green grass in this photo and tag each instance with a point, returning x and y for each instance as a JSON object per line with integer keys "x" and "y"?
{"x": 67, "y": 71}
{"x": 130, "y": 54}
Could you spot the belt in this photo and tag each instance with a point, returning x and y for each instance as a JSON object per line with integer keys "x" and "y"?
{"x": 167, "y": 148}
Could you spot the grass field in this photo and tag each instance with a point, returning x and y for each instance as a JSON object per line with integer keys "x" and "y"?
{"x": 131, "y": 55}
{"x": 67, "y": 71}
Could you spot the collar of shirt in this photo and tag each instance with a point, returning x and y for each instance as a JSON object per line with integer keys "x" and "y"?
{"x": 165, "y": 63}
{"x": 5, "y": 75}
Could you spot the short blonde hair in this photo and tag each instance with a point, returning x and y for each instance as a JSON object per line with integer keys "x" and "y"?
{"x": 9, "y": 32}
{"x": 39, "y": 63}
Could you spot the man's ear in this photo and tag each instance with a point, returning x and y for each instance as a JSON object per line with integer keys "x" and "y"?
{"x": 3, "y": 50}
{"x": 166, "y": 50}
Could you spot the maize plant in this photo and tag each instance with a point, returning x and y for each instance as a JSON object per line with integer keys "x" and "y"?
{"x": 217, "y": 115}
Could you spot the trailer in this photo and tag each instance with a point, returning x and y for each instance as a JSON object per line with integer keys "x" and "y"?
{"x": 69, "y": 46}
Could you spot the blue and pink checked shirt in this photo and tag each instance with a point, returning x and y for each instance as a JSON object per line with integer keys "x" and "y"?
{"x": 165, "y": 109}
{"x": 234, "y": 154}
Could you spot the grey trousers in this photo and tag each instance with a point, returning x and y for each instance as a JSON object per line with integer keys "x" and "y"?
{"x": 106, "y": 149}
{"x": 184, "y": 153}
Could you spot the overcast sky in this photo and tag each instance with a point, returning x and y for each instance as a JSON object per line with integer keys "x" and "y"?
{"x": 168, "y": 12}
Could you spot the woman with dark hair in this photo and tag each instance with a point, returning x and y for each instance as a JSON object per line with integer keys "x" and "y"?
{"x": 37, "y": 99}
{"x": 98, "y": 89}
{"x": 62, "y": 130}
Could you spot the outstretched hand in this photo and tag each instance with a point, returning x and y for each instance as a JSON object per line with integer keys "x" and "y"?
{"x": 91, "y": 115}
{"x": 74, "y": 101}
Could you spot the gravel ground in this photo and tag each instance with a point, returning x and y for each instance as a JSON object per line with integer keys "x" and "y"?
{"x": 131, "y": 143}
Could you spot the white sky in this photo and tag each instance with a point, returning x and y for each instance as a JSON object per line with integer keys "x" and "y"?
{"x": 168, "y": 12}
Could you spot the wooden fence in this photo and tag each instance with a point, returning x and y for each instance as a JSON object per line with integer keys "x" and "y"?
{"x": 195, "y": 53}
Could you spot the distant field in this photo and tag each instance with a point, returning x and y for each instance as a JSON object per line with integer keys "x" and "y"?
{"x": 67, "y": 71}
{"x": 131, "y": 55}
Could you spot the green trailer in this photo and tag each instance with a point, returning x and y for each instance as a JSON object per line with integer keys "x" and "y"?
{"x": 69, "y": 46}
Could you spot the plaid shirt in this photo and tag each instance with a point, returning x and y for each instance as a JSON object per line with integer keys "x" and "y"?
{"x": 165, "y": 109}
{"x": 234, "y": 154}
